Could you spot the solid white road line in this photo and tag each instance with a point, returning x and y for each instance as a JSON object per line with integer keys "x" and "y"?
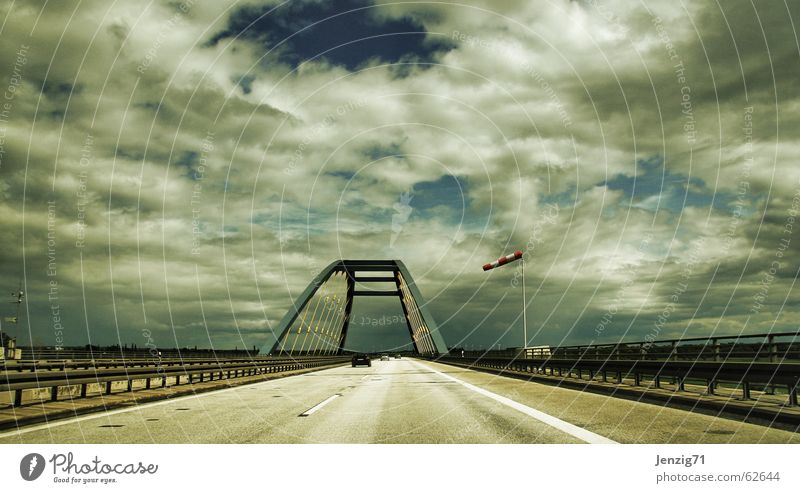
{"x": 139, "y": 407}
{"x": 320, "y": 405}
{"x": 576, "y": 431}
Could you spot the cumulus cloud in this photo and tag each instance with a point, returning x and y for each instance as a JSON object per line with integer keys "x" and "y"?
{"x": 186, "y": 168}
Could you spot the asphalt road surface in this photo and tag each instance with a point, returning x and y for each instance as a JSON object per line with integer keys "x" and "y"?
{"x": 398, "y": 401}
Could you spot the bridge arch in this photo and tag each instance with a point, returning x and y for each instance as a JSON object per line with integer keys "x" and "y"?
{"x": 307, "y": 329}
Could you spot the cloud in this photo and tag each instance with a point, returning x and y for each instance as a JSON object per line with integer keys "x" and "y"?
{"x": 188, "y": 168}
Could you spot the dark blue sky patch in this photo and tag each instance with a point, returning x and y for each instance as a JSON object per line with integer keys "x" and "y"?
{"x": 246, "y": 83}
{"x": 130, "y": 154}
{"x": 188, "y": 161}
{"x": 148, "y": 105}
{"x": 380, "y": 151}
{"x": 56, "y": 90}
{"x": 648, "y": 180}
{"x": 676, "y": 189}
{"x": 448, "y": 190}
{"x": 365, "y": 34}
{"x": 446, "y": 198}
{"x": 564, "y": 199}
{"x": 347, "y": 175}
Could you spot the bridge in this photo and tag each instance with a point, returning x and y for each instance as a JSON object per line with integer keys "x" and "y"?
{"x": 301, "y": 388}
{"x": 321, "y": 327}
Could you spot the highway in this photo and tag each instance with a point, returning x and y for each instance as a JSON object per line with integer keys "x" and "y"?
{"x": 397, "y": 401}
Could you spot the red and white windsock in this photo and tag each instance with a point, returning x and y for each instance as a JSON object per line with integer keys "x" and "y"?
{"x": 503, "y": 260}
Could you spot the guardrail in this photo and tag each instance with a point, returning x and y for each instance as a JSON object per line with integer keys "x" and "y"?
{"x": 40, "y": 353}
{"x": 773, "y": 347}
{"x": 80, "y": 379}
{"x": 55, "y": 365}
{"x": 742, "y": 374}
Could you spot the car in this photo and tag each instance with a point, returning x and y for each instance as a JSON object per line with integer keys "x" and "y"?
{"x": 361, "y": 359}
{"x": 384, "y": 357}
{"x": 398, "y": 356}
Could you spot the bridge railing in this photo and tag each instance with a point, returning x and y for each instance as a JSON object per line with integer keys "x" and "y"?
{"x": 742, "y": 375}
{"x": 68, "y": 364}
{"x": 50, "y": 353}
{"x": 75, "y": 379}
{"x": 774, "y": 348}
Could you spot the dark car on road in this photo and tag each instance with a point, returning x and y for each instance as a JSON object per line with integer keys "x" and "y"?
{"x": 361, "y": 359}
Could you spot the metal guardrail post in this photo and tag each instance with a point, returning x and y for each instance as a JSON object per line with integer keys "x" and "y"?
{"x": 746, "y": 390}
{"x": 773, "y": 349}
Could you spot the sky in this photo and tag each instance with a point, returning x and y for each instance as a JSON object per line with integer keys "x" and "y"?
{"x": 174, "y": 173}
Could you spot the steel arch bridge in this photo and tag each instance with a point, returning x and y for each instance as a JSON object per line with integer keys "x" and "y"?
{"x": 317, "y": 322}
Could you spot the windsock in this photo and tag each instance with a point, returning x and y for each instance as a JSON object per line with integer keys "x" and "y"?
{"x": 503, "y": 260}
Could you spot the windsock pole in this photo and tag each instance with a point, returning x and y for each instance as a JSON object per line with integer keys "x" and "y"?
{"x": 502, "y": 261}
{"x": 524, "y": 311}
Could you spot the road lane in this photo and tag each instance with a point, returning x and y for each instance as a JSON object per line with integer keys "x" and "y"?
{"x": 397, "y": 401}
